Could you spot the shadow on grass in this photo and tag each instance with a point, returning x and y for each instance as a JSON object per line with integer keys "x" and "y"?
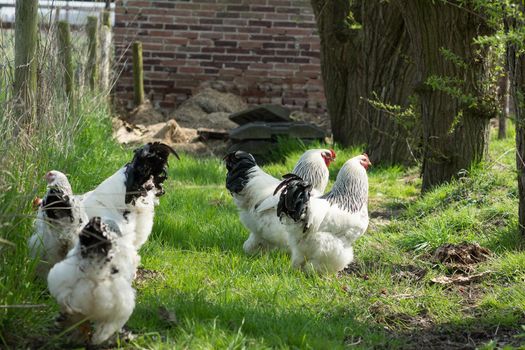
{"x": 276, "y": 326}
{"x": 302, "y": 328}
{"x": 465, "y": 335}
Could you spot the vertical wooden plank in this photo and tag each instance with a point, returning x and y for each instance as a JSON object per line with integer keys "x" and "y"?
{"x": 26, "y": 31}
{"x": 92, "y": 66}
{"x": 138, "y": 73}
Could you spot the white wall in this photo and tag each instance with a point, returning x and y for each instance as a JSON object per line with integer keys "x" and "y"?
{"x": 75, "y": 12}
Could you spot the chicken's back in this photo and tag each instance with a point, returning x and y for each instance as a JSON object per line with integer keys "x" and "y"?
{"x": 108, "y": 197}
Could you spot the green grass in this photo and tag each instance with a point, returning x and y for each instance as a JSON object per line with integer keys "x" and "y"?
{"x": 224, "y": 299}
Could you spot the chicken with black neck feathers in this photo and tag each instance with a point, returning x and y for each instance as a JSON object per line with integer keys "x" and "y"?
{"x": 252, "y": 190}
{"x": 60, "y": 216}
{"x": 321, "y": 230}
{"x": 129, "y": 196}
{"x": 92, "y": 284}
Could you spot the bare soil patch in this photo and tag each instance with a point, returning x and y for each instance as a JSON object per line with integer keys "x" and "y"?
{"x": 457, "y": 337}
{"x": 144, "y": 275}
{"x": 412, "y": 273}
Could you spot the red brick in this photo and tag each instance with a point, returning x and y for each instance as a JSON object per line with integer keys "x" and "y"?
{"x": 192, "y": 70}
{"x": 268, "y": 51}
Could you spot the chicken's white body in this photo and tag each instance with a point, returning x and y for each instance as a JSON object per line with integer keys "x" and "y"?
{"x": 329, "y": 247}
{"x": 257, "y": 202}
{"x": 322, "y": 238}
{"x": 108, "y": 200}
{"x": 54, "y": 237}
{"x": 129, "y": 196}
{"x": 265, "y": 231}
{"x": 97, "y": 288}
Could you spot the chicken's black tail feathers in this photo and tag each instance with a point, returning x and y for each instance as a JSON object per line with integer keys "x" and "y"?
{"x": 147, "y": 170}
{"x": 239, "y": 165}
{"x": 294, "y": 198}
{"x": 93, "y": 240}
{"x": 57, "y": 205}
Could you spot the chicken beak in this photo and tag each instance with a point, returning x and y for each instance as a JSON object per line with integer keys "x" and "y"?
{"x": 36, "y": 203}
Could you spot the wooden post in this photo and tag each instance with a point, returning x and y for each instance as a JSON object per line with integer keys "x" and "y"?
{"x": 138, "y": 74}
{"x": 66, "y": 58}
{"x": 105, "y": 57}
{"x": 92, "y": 65}
{"x": 26, "y": 30}
{"x": 106, "y": 18}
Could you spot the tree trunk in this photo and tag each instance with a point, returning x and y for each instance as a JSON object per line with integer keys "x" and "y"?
{"x": 450, "y": 69}
{"x": 338, "y": 65}
{"x": 517, "y": 78}
{"x": 520, "y": 151}
{"x": 390, "y": 80}
{"x": 26, "y": 31}
{"x": 505, "y": 88}
{"x": 504, "y": 95}
{"x": 363, "y": 62}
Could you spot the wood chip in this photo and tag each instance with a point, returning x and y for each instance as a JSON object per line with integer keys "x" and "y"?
{"x": 459, "y": 278}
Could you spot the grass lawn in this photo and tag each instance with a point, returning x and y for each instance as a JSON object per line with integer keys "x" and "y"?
{"x": 201, "y": 291}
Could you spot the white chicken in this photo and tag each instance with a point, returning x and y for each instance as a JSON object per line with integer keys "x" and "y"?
{"x": 93, "y": 283}
{"x": 60, "y": 218}
{"x": 129, "y": 196}
{"x": 253, "y": 193}
{"x": 321, "y": 230}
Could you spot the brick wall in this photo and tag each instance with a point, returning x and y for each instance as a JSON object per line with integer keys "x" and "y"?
{"x": 265, "y": 50}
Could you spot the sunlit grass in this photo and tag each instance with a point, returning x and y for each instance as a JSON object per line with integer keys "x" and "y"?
{"x": 222, "y": 298}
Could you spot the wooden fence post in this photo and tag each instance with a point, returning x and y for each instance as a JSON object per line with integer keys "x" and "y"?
{"x": 138, "y": 74}
{"x": 106, "y": 18}
{"x": 105, "y": 50}
{"x": 105, "y": 57}
{"x": 92, "y": 65}
{"x": 66, "y": 58}
{"x": 26, "y": 31}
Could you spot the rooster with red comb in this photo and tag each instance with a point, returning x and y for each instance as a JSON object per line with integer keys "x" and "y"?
{"x": 323, "y": 229}
{"x": 253, "y": 193}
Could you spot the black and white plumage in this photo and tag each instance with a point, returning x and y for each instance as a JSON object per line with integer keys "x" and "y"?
{"x": 93, "y": 283}
{"x": 129, "y": 196}
{"x": 253, "y": 193}
{"x": 60, "y": 217}
{"x": 322, "y": 230}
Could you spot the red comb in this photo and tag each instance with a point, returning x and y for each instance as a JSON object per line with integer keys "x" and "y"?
{"x": 332, "y": 152}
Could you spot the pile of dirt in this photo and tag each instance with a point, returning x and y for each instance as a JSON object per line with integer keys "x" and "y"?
{"x": 169, "y": 132}
{"x": 145, "y": 114}
{"x": 461, "y": 254}
{"x": 209, "y": 109}
{"x": 461, "y": 259}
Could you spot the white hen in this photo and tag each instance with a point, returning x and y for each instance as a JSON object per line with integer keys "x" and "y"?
{"x": 93, "y": 283}
{"x": 253, "y": 193}
{"x": 60, "y": 218}
{"x": 129, "y": 196}
{"x": 321, "y": 230}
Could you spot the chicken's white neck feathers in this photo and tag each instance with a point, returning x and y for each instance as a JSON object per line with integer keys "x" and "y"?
{"x": 350, "y": 190}
{"x": 311, "y": 167}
